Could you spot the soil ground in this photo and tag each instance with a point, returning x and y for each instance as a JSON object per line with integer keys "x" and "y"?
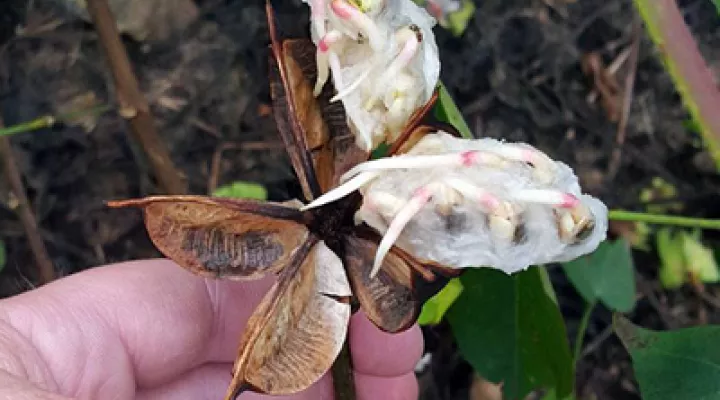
{"x": 516, "y": 73}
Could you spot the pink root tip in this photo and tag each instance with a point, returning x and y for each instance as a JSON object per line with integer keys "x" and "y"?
{"x": 323, "y": 45}
{"x": 342, "y": 9}
{"x": 435, "y": 10}
{"x": 318, "y": 9}
{"x": 369, "y": 204}
{"x": 528, "y": 156}
{"x": 422, "y": 193}
{"x": 469, "y": 158}
{"x": 489, "y": 201}
{"x": 569, "y": 201}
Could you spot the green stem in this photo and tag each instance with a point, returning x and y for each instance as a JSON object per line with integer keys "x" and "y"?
{"x": 589, "y": 307}
{"x": 47, "y": 121}
{"x": 660, "y": 219}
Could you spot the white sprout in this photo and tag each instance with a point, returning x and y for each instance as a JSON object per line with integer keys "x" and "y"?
{"x": 383, "y": 60}
{"x": 421, "y": 197}
{"x": 475, "y": 202}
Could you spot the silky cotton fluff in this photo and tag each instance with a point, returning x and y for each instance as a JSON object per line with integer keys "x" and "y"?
{"x": 383, "y": 61}
{"x": 476, "y": 203}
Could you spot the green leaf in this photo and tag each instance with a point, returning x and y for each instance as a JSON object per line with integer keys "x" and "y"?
{"x": 242, "y": 190}
{"x": 717, "y": 5}
{"x": 447, "y": 111}
{"x": 457, "y": 21}
{"x": 606, "y": 275}
{"x": 699, "y": 259}
{"x": 660, "y": 192}
{"x": 680, "y": 364}
{"x": 640, "y": 238}
{"x": 551, "y": 395}
{"x": 672, "y": 261}
{"x": 434, "y": 309}
{"x": 510, "y": 331}
{"x": 3, "y": 255}
{"x": 682, "y": 257}
{"x": 690, "y": 124}
{"x": 380, "y": 151}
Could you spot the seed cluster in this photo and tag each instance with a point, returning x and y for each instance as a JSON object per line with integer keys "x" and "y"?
{"x": 383, "y": 60}
{"x": 458, "y": 202}
{"x": 476, "y": 202}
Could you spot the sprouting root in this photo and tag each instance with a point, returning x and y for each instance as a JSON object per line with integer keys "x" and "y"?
{"x": 467, "y": 202}
{"x": 383, "y": 61}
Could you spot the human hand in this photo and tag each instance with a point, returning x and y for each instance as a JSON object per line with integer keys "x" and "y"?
{"x": 151, "y": 330}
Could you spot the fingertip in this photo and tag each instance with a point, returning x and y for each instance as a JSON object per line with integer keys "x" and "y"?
{"x": 383, "y": 354}
{"x": 403, "y": 387}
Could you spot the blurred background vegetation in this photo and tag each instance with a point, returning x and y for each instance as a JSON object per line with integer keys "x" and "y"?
{"x": 592, "y": 83}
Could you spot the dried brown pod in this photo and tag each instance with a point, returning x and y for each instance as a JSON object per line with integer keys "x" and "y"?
{"x": 321, "y": 257}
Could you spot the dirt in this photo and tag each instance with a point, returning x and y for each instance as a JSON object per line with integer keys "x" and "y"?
{"x": 516, "y": 73}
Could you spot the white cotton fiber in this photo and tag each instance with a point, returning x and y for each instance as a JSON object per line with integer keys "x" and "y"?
{"x": 462, "y": 238}
{"x": 355, "y": 61}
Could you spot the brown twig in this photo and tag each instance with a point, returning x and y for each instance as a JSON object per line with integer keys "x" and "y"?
{"x": 615, "y": 156}
{"x": 611, "y": 69}
{"x": 46, "y": 270}
{"x": 699, "y": 289}
{"x": 605, "y": 84}
{"x": 133, "y": 105}
{"x": 218, "y": 154}
{"x": 597, "y": 342}
{"x": 646, "y": 289}
{"x": 215, "y": 166}
{"x": 17, "y": 230}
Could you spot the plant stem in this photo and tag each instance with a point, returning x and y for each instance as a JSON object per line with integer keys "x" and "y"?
{"x": 343, "y": 382}
{"x": 686, "y": 66}
{"x": 133, "y": 105}
{"x": 589, "y": 307}
{"x": 628, "y": 90}
{"x": 47, "y": 121}
{"x": 46, "y": 269}
{"x": 660, "y": 219}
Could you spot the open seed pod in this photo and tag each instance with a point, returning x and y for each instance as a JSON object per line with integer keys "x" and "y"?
{"x": 387, "y": 247}
{"x": 321, "y": 258}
